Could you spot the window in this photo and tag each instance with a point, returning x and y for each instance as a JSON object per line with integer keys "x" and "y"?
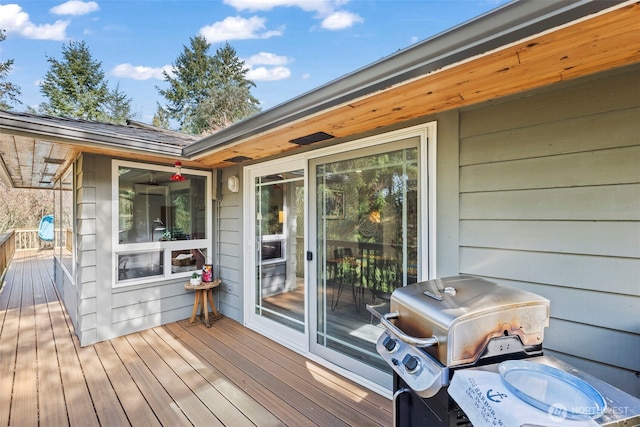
{"x": 161, "y": 225}
{"x": 63, "y": 215}
{"x": 271, "y": 199}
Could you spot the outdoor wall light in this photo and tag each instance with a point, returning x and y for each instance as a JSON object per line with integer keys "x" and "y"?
{"x": 233, "y": 184}
{"x": 178, "y": 175}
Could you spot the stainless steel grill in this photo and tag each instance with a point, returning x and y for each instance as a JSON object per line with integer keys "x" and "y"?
{"x": 436, "y": 327}
{"x": 439, "y": 327}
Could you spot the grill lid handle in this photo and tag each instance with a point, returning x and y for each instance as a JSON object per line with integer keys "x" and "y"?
{"x": 414, "y": 341}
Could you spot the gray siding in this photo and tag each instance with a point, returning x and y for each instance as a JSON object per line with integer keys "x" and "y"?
{"x": 550, "y": 202}
{"x": 80, "y": 299}
{"x": 84, "y": 303}
{"x": 228, "y": 245}
{"x": 447, "y": 184}
{"x": 104, "y": 312}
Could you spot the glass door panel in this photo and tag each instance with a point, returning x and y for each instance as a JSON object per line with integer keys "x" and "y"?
{"x": 279, "y": 234}
{"x": 367, "y": 241}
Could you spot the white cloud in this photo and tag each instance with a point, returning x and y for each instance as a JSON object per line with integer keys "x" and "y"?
{"x": 237, "y": 28}
{"x": 340, "y": 20}
{"x": 14, "y": 20}
{"x": 266, "y": 58}
{"x": 272, "y": 67}
{"x": 320, "y": 6}
{"x": 75, "y": 8}
{"x": 261, "y": 74}
{"x": 327, "y": 10}
{"x": 140, "y": 72}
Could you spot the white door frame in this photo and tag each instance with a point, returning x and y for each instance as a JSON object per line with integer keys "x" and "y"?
{"x": 427, "y": 133}
{"x": 273, "y": 330}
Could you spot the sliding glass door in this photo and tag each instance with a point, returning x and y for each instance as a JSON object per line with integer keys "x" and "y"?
{"x": 365, "y": 220}
{"x": 329, "y": 233}
{"x": 278, "y": 292}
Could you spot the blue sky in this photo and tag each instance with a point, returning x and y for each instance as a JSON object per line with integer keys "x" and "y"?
{"x": 289, "y": 46}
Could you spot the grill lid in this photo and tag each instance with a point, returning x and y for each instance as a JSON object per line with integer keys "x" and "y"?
{"x": 464, "y": 313}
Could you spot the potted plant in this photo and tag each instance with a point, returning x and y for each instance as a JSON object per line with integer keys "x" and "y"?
{"x": 196, "y": 280}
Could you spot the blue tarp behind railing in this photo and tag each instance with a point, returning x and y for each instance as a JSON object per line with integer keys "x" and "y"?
{"x": 45, "y": 229}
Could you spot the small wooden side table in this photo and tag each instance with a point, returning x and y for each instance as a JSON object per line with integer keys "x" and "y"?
{"x": 204, "y": 293}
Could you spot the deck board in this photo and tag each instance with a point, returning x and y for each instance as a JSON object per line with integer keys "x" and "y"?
{"x": 8, "y": 342}
{"x": 300, "y": 382}
{"x": 173, "y": 375}
{"x": 131, "y": 378}
{"x": 24, "y": 408}
{"x": 257, "y": 394}
{"x": 50, "y": 390}
{"x": 208, "y": 395}
{"x": 371, "y": 404}
{"x": 108, "y": 408}
{"x": 281, "y": 382}
{"x": 254, "y": 412}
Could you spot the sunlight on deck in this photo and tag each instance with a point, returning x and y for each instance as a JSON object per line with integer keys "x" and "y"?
{"x": 336, "y": 383}
{"x": 226, "y": 375}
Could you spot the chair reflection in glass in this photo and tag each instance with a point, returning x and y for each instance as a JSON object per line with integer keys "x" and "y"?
{"x": 345, "y": 272}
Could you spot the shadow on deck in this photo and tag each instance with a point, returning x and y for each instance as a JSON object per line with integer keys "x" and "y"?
{"x": 172, "y": 375}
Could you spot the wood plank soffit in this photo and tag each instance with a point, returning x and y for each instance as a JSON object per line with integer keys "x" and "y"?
{"x": 585, "y": 47}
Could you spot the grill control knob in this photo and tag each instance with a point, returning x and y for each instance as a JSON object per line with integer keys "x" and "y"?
{"x": 390, "y": 344}
{"x": 411, "y": 363}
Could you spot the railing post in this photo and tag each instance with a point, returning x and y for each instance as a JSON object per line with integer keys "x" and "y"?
{"x": 7, "y": 250}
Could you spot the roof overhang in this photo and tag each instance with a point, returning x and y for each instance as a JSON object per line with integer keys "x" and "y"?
{"x": 519, "y": 47}
{"x": 36, "y": 150}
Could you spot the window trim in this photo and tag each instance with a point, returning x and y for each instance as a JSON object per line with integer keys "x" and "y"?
{"x": 167, "y": 246}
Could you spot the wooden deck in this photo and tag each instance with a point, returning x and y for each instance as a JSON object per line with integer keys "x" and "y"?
{"x": 173, "y": 375}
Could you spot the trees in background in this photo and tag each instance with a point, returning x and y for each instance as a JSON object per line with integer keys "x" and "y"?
{"x": 207, "y": 93}
{"x": 75, "y": 86}
{"x": 9, "y": 92}
{"x": 13, "y": 213}
{"x": 230, "y": 99}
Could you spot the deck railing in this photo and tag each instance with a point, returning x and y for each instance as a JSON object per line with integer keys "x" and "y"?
{"x": 7, "y": 249}
{"x": 27, "y": 239}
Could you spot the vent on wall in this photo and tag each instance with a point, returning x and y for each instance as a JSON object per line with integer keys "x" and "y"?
{"x": 310, "y": 139}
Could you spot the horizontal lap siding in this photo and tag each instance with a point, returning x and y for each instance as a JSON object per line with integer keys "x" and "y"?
{"x": 83, "y": 301}
{"x": 229, "y": 249}
{"x": 550, "y": 202}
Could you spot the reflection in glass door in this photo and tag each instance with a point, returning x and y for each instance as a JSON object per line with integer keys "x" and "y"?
{"x": 367, "y": 246}
{"x": 279, "y": 293}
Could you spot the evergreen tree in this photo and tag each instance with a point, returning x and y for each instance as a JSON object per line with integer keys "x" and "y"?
{"x": 230, "y": 100}
{"x": 193, "y": 71}
{"x": 118, "y": 107}
{"x": 76, "y": 87}
{"x": 9, "y": 92}
{"x": 208, "y": 92}
{"x": 161, "y": 118}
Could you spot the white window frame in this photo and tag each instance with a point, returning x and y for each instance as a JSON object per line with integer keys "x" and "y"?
{"x": 58, "y": 212}
{"x": 167, "y": 246}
